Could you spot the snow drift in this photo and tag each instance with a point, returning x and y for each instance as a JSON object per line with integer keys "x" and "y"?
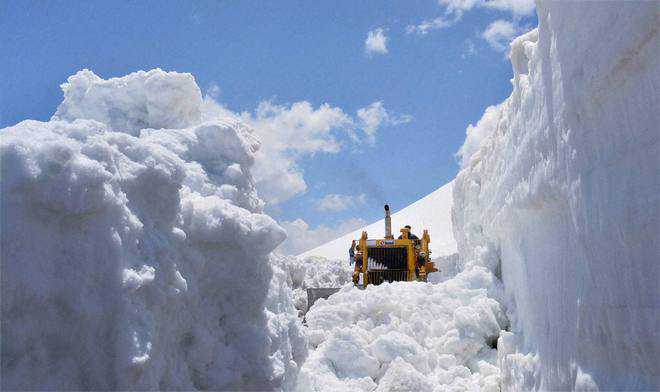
{"x": 432, "y": 212}
{"x": 561, "y": 199}
{"x": 407, "y": 336}
{"x": 314, "y": 272}
{"x": 135, "y": 254}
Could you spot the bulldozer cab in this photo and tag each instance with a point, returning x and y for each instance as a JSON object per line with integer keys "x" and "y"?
{"x": 392, "y": 260}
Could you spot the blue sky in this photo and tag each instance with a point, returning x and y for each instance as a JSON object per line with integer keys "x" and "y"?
{"x": 431, "y": 86}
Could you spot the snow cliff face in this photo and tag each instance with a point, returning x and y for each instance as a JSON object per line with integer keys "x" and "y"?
{"x": 135, "y": 254}
{"x": 561, "y": 199}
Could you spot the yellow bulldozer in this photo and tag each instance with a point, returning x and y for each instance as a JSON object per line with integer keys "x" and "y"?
{"x": 404, "y": 259}
{"x": 378, "y": 260}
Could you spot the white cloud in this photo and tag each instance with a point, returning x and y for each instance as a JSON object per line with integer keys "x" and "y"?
{"x": 516, "y": 7}
{"x": 499, "y": 33}
{"x": 335, "y": 202}
{"x": 299, "y": 128}
{"x": 213, "y": 90}
{"x": 289, "y": 133}
{"x": 429, "y": 25}
{"x": 277, "y": 177}
{"x": 375, "y": 115}
{"x": 376, "y": 42}
{"x": 454, "y": 10}
{"x": 301, "y": 238}
{"x": 470, "y": 50}
{"x": 211, "y": 109}
{"x": 476, "y": 134}
{"x": 458, "y": 7}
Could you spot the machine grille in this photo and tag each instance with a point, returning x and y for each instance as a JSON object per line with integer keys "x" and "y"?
{"x": 387, "y": 258}
{"x": 377, "y": 277}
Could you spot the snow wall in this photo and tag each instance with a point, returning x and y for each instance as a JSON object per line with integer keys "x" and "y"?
{"x": 135, "y": 254}
{"x": 559, "y": 195}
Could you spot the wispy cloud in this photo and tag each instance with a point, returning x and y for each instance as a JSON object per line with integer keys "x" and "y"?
{"x": 455, "y": 9}
{"x": 499, "y": 33}
{"x": 301, "y": 237}
{"x": 334, "y": 202}
{"x": 213, "y": 90}
{"x": 429, "y": 25}
{"x": 376, "y": 42}
{"x": 376, "y": 116}
{"x": 517, "y": 7}
{"x": 469, "y": 50}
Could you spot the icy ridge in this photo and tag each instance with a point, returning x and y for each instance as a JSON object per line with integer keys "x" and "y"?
{"x": 137, "y": 257}
{"x": 559, "y": 195}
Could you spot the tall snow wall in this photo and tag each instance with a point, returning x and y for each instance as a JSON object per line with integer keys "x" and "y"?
{"x": 135, "y": 253}
{"x": 559, "y": 195}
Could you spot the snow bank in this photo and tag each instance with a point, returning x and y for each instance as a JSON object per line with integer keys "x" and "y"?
{"x": 135, "y": 257}
{"x": 407, "y": 336}
{"x": 561, "y": 200}
{"x": 314, "y": 272}
{"x": 432, "y": 212}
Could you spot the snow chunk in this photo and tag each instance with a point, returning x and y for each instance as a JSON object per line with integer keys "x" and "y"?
{"x": 406, "y": 335}
{"x": 153, "y": 99}
{"x": 133, "y": 279}
{"x": 402, "y": 377}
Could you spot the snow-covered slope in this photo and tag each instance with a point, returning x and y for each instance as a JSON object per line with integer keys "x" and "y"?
{"x": 135, "y": 257}
{"x": 561, "y": 196}
{"x": 432, "y": 212}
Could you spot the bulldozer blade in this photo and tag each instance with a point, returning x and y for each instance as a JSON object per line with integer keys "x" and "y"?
{"x": 315, "y": 294}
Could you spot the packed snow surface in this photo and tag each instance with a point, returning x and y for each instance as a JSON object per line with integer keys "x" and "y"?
{"x": 407, "y": 336}
{"x": 560, "y": 195}
{"x": 432, "y": 212}
{"x": 135, "y": 254}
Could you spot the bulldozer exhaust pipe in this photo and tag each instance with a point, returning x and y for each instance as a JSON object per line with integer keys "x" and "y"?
{"x": 388, "y": 222}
